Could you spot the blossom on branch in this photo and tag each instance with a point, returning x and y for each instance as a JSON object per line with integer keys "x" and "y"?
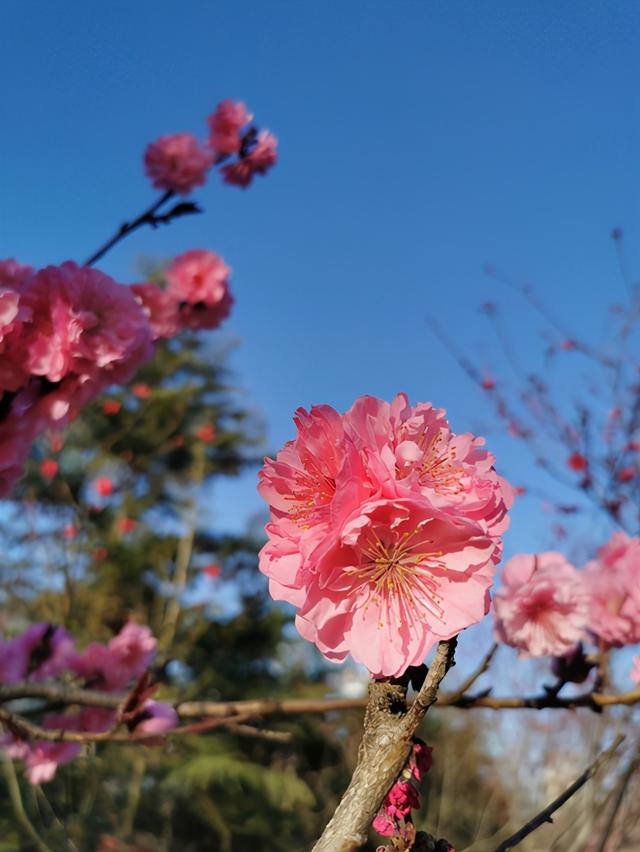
{"x": 198, "y": 282}
{"x": 385, "y": 530}
{"x": 542, "y": 606}
{"x": 178, "y": 163}
{"x": 613, "y": 580}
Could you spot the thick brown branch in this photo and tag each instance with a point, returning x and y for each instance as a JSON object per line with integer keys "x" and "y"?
{"x": 546, "y": 814}
{"x": 388, "y": 728}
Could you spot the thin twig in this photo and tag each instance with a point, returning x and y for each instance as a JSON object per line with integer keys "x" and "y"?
{"x": 466, "y": 685}
{"x": 18, "y": 808}
{"x": 546, "y": 814}
{"x": 147, "y": 217}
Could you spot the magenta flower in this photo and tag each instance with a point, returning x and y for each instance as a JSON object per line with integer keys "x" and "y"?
{"x": 385, "y": 531}
{"x": 42, "y": 651}
{"x": 542, "y": 606}
{"x": 613, "y": 580}
{"x": 177, "y": 163}
{"x": 198, "y": 281}
{"x": 225, "y": 126}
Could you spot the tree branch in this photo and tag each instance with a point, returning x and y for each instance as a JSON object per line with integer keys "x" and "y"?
{"x": 546, "y": 814}
{"x": 388, "y": 728}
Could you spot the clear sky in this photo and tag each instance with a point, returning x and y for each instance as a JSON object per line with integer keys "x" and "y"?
{"x": 417, "y": 141}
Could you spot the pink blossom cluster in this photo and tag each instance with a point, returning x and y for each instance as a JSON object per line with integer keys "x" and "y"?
{"x": 542, "y": 606}
{"x": 546, "y": 607}
{"x": 179, "y": 163}
{"x": 404, "y": 796}
{"x": 68, "y": 332}
{"x": 45, "y": 651}
{"x": 385, "y": 530}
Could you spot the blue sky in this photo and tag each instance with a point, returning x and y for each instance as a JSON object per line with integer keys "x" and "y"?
{"x": 417, "y": 141}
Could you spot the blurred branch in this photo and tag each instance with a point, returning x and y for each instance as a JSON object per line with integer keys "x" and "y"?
{"x": 546, "y": 814}
{"x": 252, "y": 708}
{"x": 466, "y": 685}
{"x": 629, "y": 772}
{"x": 18, "y": 808}
{"x": 147, "y": 217}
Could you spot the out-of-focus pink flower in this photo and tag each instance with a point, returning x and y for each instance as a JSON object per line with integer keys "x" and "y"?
{"x": 225, "y": 126}
{"x": 111, "y": 407}
{"x": 626, "y": 474}
{"x": 42, "y": 757}
{"x": 213, "y": 570}
{"x": 129, "y": 654}
{"x": 613, "y": 580}
{"x": 103, "y": 486}
{"x": 542, "y": 606}
{"x": 577, "y": 462}
{"x": 82, "y": 321}
{"x": 49, "y": 468}
{"x": 199, "y": 281}
{"x": 385, "y": 530}
{"x": 635, "y": 671}
{"x": 17, "y": 433}
{"x": 42, "y": 651}
{"x": 155, "y": 717}
{"x": 160, "y": 308}
{"x": 14, "y": 274}
{"x": 126, "y": 525}
{"x": 206, "y": 433}
{"x": 257, "y": 162}
{"x": 70, "y": 531}
{"x": 141, "y": 390}
{"x": 178, "y": 163}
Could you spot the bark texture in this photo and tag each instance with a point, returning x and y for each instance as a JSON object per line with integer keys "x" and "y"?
{"x": 386, "y": 742}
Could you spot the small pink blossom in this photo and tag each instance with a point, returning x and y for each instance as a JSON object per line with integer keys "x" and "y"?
{"x": 49, "y": 468}
{"x": 42, "y": 757}
{"x": 613, "y": 580}
{"x": 225, "y": 125}
{"x": 198, "y": 280}
{"x": 635, "y": 671}
{"x": 155, "y": 717}
{"x": 129, "y": 654}
{"x": 257, "y": 161}
{"x": 103, "y": 486}
{"x": 161, "y": 309}
{"x": 542, "y": 606}
{"x": 177, "y": 163}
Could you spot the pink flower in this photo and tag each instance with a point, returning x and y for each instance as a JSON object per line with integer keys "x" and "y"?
{"x": 413, "y": 452}
{"x": 103, "y": 486}
{"x": 401, "y": 799}
{"x": 42, "y": 757}
{"x": 42, "y": 651}
{"x": 198, "y": 280}
{"x": 111, "y": 407}
{"x": 398, "y": 578}
{"x": 385, "y": 530}
{"x": 225, "y": 126}
{"x": 178, "y": 163}
{"x": 82, "y": 321}
{"x": 384, "y": 824}
{"x": 49, "y": 468}
{"x": 160, "y": 308}
{"x": 129, "y": 655}
{"x": 155, "y": 717}
{"x": 635, "y": 671}
{"x": 613, "y": 580}
{"x": 420, "y": 760}
{"x": 257, "y": 161}
{"x": 542, "y": 606}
